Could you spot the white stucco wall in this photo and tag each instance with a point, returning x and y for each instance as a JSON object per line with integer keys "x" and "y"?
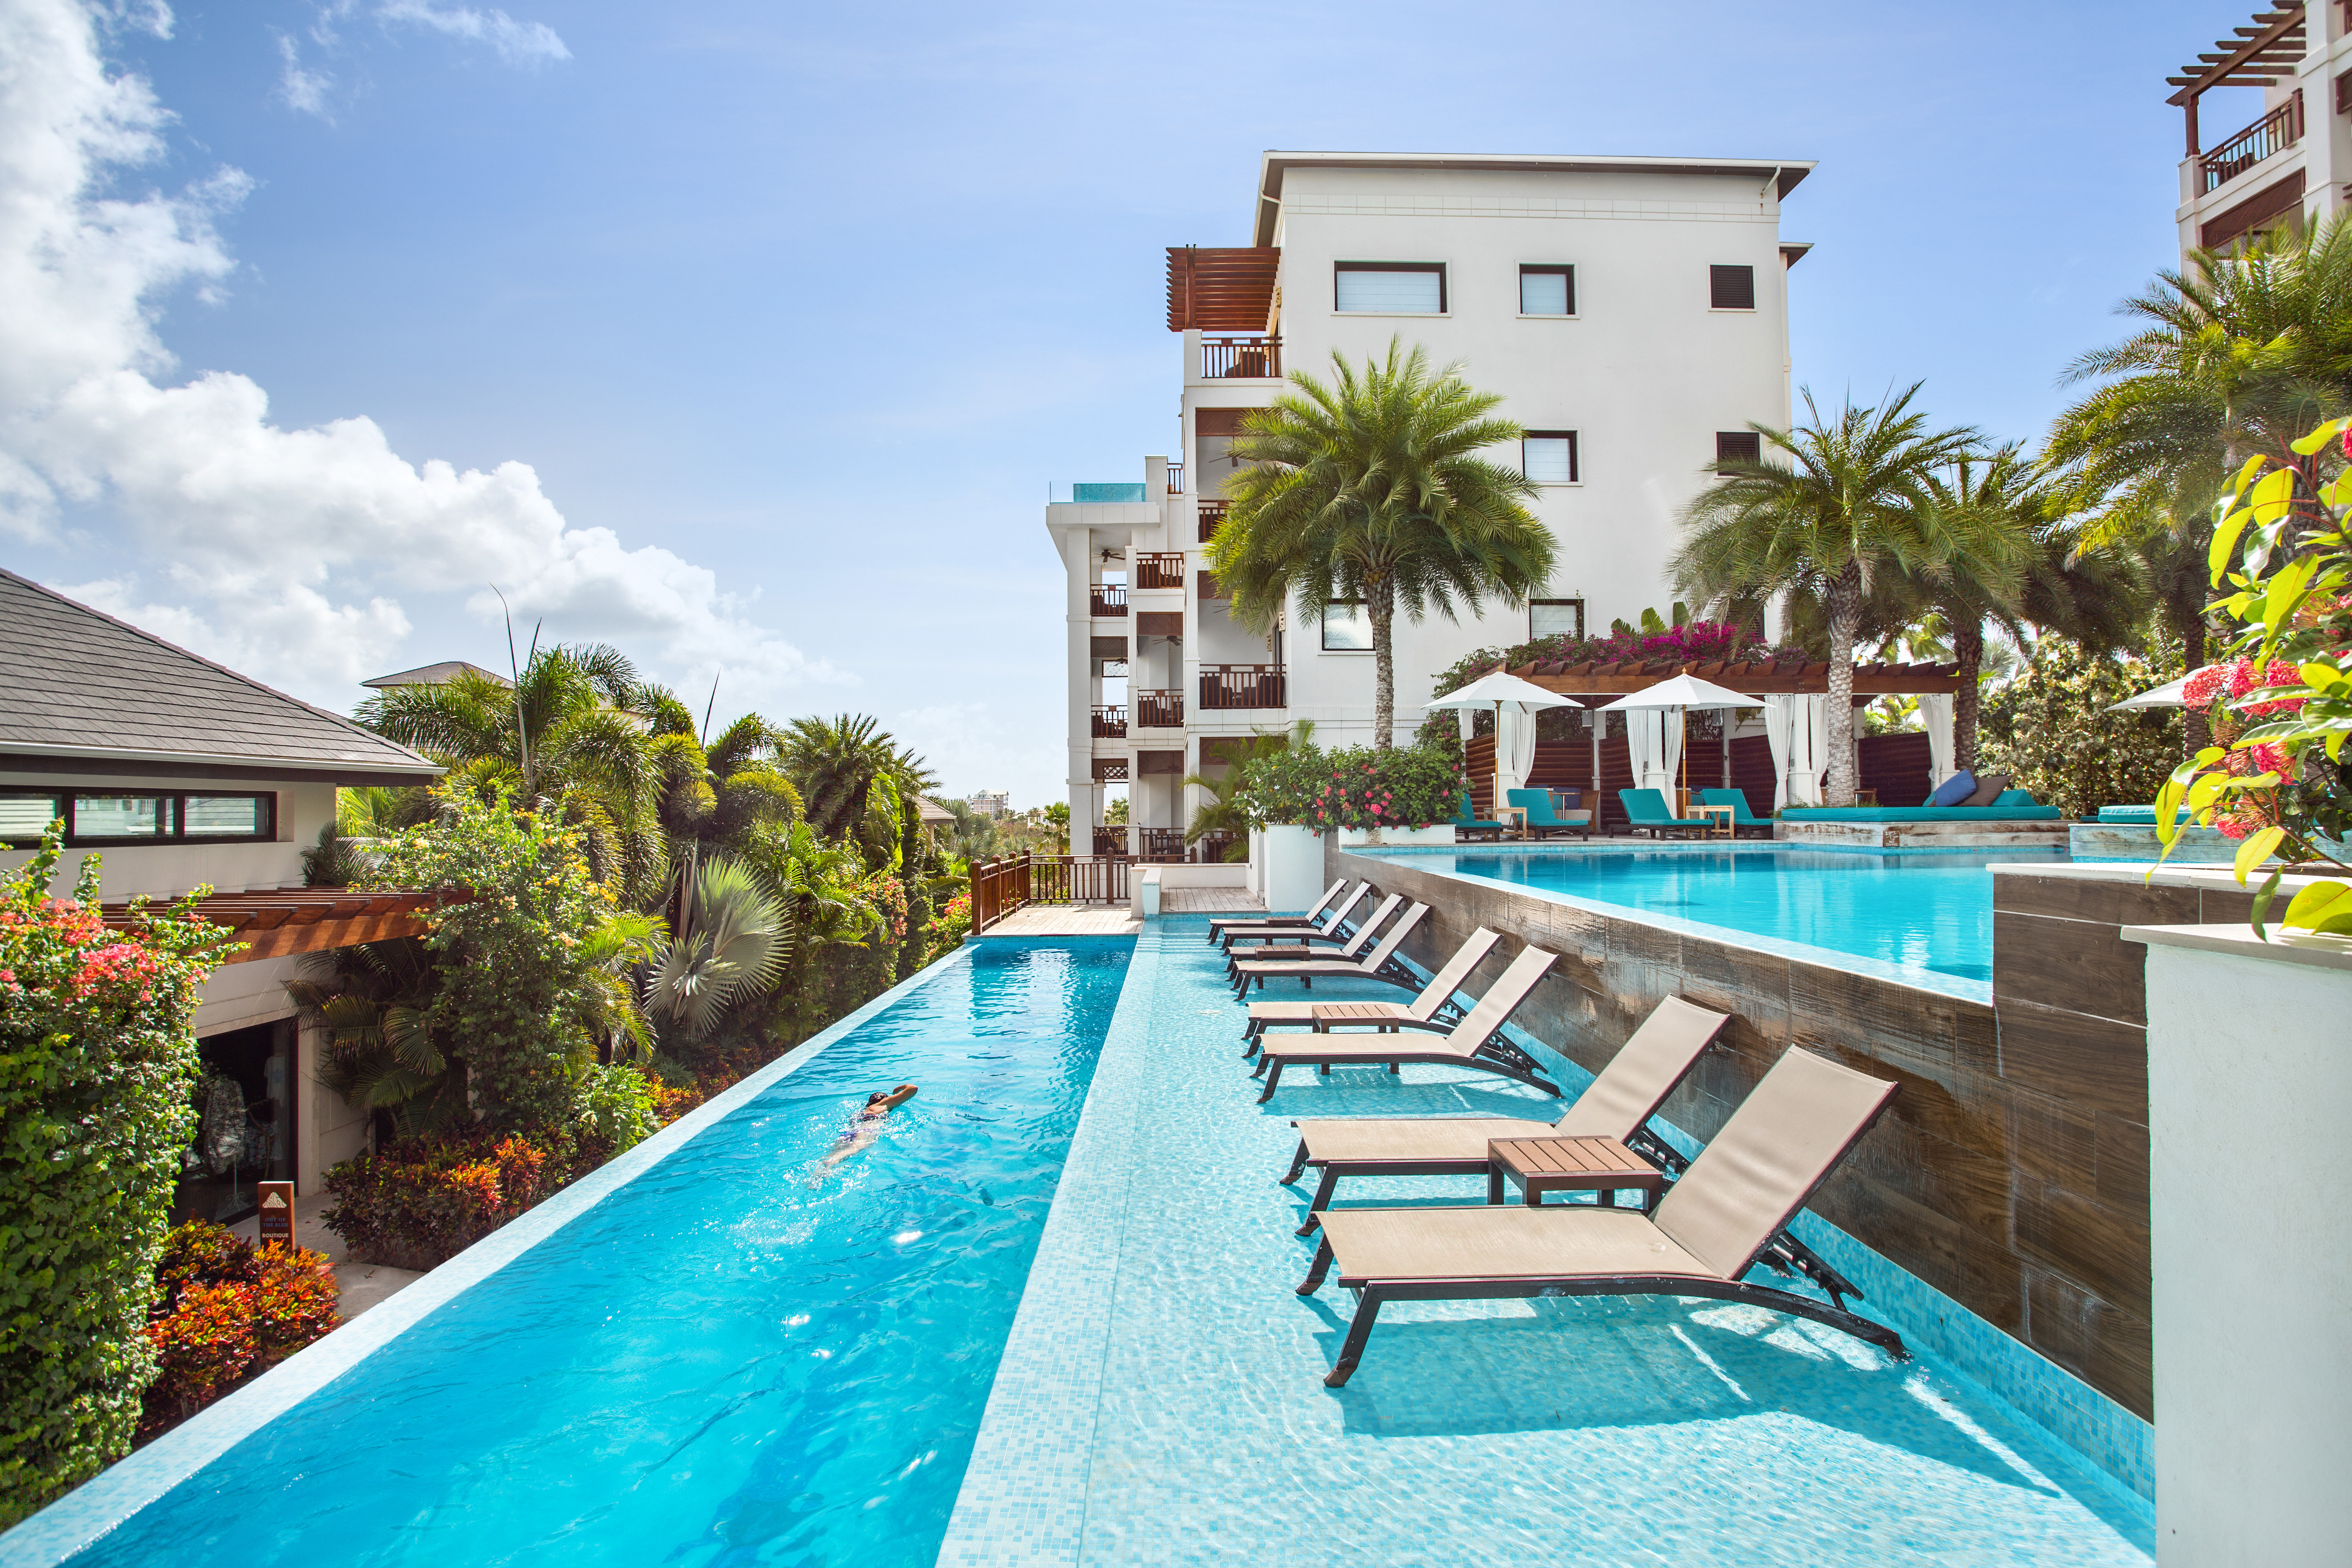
{"x": 162, "y": 870}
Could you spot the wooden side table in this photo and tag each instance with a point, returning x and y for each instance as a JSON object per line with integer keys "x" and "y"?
{"x": 1543, "y": 1166}
{"x": 1514, "y": 819}
{"x": 1724, "y": 816}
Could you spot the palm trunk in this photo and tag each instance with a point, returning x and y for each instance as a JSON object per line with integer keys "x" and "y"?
{"x": 1382, "y": 605}
{"x": 1844, "y": 629}
{"x": 1967, "y": 649}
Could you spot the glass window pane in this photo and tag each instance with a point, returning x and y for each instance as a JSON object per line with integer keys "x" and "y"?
{"x": 122, "y": 816}
{"x": 231, "y": 815}
{"x": 28, "y": 816}
{"x": 1550, "y": 459}
{"x": 1543, "y": 293}
{"x": 1347, "y": 628}
{"x": 1556, "y": 617}
{"x": 1397, "y": 293}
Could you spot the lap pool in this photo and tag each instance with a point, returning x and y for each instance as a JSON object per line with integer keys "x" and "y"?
{"x": 725, "y": 1358}
{"x": 1922, "y": 917}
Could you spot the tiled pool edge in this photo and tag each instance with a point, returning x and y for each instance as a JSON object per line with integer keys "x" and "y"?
{"x": 85, "y": 1515}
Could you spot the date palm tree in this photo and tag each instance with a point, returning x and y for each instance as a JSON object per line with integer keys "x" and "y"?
{"x": 1373, "y": 490}
{"x": 1830, "y": 508}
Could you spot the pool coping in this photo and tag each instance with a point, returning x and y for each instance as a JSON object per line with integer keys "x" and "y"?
{"x": 91, "y": 1510}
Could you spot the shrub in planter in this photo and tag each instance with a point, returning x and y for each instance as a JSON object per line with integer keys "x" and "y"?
{"x": 1406, "y": 786}
{"x": 98, "y": 1066}
{"x": 418, "y": 1202}
{"x": 228, "y": 1309}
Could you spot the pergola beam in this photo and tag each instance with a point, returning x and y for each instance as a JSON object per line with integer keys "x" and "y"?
{"x": 2254, "y": 57}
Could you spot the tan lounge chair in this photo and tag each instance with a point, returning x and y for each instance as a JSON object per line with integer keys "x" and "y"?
{"x": 1476, "y": 1042}
{"x": 1347, "y": 947}
{"x": 1225, "y": 928}
{"x": 1715, "y": 1224}
{"x": 1617, "y": 1104}
{"x": 1296, "y": 942}
{"x": 1380, "y": 964}
{"x": 1435, "y": 1002}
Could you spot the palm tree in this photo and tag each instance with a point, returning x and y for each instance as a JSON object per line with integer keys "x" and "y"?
{"x": 1221, "y": 811}
{"x": 1372, "y": 492}
{"x": 1850, "y": 503}
{"x": 834, "y": 763}
{"x": 733, "y": 935}
{"x": 373, "y": 1000}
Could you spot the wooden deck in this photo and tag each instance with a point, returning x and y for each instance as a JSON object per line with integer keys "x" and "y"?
{"x": 1067, "y": 919}
{"x": 1208, "y": 900}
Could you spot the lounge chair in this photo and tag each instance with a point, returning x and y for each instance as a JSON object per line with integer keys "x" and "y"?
{"x": 1714, "y": 1224}
{"x": 1465, "y": 823}
{"x": 1299, "y": 950}
{"x": 1331, "y": 927}
{"x": 1222, "y": 927}
{"x": 1380, "y": 964}
{"x": 1476, "y": 1042}
{"x": 1646, "y": 811}
{"x": 1435, "y": 1001}
{"x": 1617, "y": 1104}
{"x": 1742, "y": 819}
{"x": 1542, "y": 821}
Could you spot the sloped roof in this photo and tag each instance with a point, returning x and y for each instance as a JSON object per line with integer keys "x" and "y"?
{"x": 78, "y": 688}
{"x": 435, "y": 675}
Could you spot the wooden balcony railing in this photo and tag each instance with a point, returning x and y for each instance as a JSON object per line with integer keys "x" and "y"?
{"x": 1108, "y": 599}
{"x": 1175, "y": 478}
{"x": 1231, "y": 686}
{"x": 1110, "y": 723}
{"x": 2274, "y": 132}
{"x": 1159, "y": 710}
{"x": 1212, "y": 847}
{"x": 1110, "y": 841}
{"x": 1241, "y": 359}
{"x": 1159, "y": 570}
{"x": 1162, "y": 846}
{"x": 1079, "y": 879}
{"x": 1213, "y": 517}
{"x": 1210, "y": 589}
{"x": 998, "y": 888}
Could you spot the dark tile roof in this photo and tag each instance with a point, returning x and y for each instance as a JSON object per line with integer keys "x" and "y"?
{"x": 73, "y": 680}
{"x": 434, "y": 674}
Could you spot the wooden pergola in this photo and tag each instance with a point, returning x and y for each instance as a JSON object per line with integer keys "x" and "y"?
{"x": 1229, "y": 289}
{"x": 1762, "y": 679}
{"x": 275, "y": 922}
{"x": 2263, "y": 51}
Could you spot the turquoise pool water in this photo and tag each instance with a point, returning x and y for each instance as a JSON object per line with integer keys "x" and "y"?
{"x": 1918, "y": 914}
{"x": 728, "y": 1360}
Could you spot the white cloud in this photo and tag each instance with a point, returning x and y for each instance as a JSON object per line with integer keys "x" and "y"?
{"x": 304, "y": 91}
{"x": 518, "y": 43}
{"x": 284, "y": 550}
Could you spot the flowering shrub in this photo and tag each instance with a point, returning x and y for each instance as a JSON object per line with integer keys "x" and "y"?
{"x": 2052, "y": 727}
{"x": 227, "y": 1310}
{"x": 1408, "y": 787}
{"x": 418, "y": 1202}
{"x": 887, "y": 894}
{"x": 946, "y": 930}
{"x": 98, "y": 1067}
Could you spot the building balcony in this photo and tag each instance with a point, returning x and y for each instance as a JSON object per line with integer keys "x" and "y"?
{"x": 2272, "y": 134}
{"x": 1160, "y": 710}
{"x": 1175, "y": 478}
{"x": 1110, "y": 723}
{"x": 1241, "y": 359}
{"x": 1110, "y": 841}
{"x": 1107, "y": 599}
{"x": 1227, "y": 686}
{"x": 1213, "y": 517}
{"x": 1159, "y": 570}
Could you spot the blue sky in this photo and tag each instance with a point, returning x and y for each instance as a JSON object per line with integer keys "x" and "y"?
{"x": 807, "y": 306}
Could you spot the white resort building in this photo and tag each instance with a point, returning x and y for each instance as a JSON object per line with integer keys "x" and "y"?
{"x": 2293, "y": 163}
{"x": 1633, "y": 311}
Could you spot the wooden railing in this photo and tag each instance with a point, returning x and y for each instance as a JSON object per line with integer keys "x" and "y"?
{"x": 1211, "y": 848}
{"x": 2274, "y": 132}
{"x": 1110, "y": 840}
{"x": 1110, "y": 723}
{"x": 1242, "y": 359}
{"x": 1211, "y": 589}
{"x": 1162, "y": 846}
{"x": 1079, "y": 880}
{"x": 1108, "y": 599}
{"x": 1175, "y": 478}
{"x": 1160, "y": 569}
{"x": 1213, "y": 517}
{"x": 998, "y": 888}
{"x": 1159, "y": 710}
{"x": 1229, "y": 686}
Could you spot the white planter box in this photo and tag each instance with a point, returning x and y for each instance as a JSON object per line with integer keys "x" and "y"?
{"x": 1350, "y": 837}
{"x": 2249, "y": 1209}
{"x": 1288, "y": 866}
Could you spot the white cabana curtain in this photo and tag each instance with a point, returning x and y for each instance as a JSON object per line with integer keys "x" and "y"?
{"x": 1515, "y": 747}
{"x": 1798, "y": 731}
{"x": 1935, "y": 712}
{"x": 1655, "y": 738}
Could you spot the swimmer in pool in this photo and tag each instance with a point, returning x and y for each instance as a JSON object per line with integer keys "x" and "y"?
{"x": 869, "y": 1125}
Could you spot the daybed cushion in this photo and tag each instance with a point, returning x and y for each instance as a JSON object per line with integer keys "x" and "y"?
{"x": 1954, "y": 789}
{"x": 1920, "y": 814}
{"x": 1989, "y": 789}
{"x": 2139, "y": 816}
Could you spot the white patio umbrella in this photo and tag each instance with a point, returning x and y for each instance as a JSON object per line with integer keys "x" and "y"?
{"x": 1679, "y": 692}
{"x": 2167, "y": 695}
{"x": 1497, "y": 688}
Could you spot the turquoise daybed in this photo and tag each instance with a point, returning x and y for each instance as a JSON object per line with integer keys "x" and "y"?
{"x": 2011, "y": 805}
{"x": 2136, "y": 816}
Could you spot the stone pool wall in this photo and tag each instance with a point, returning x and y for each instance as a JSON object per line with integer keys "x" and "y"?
{"x": 2010, "y": 1173}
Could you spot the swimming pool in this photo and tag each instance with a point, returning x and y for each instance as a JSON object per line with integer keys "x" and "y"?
{"x": 727, "y": 1359}
{"x": 1922, "y": 916}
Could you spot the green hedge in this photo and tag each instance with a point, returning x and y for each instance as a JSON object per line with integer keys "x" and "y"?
{"x": 1360, "y": 786}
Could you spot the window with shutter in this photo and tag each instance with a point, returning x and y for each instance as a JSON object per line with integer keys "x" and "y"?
{"x": 1554, "y": 617}
{"x": 1737, "y": 447}
{"x": 1731, "y": 287}
{"x": 1548, "y": 456}
{"x": 1390, "y": 287}
{"x": 1546, "y": 290}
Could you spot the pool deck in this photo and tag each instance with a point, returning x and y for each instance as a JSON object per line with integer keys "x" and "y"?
{"x": 1161, "y": 1399}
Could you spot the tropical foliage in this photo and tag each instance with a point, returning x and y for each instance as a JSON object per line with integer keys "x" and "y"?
{"x": 226, "y": 1310}
{"x": 1360, "y": 786}
{"x": 2050, "y": 729}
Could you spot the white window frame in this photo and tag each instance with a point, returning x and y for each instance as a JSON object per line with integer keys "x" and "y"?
{"x": 1444, "y": 287}
{"x": 1575, "y": 457}
{"x": 1567, "y": 269}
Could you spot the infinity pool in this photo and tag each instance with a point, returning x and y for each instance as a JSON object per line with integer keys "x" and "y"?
{"x": 1919, "y": 915}
{"x": 734, "y": 1358}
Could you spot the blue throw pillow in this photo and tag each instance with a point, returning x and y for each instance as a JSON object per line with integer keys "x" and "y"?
{"x": 1954, "y": 789}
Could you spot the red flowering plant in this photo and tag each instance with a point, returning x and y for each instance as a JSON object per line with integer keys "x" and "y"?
{"x": 227, "y": 1310}
{"x": 1306, "y": 786}
{"x": 2282, "y": 705}
{"x": 98, "y": 1072}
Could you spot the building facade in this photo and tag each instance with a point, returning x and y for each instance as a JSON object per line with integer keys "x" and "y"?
{"x": 1631, "y": 311}
{"x": 2293, "y": 163}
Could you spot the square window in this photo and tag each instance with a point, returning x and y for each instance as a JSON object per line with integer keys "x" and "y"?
{"x": 1731, "y": 287}
{"x": 223, "y": 816}
{"x": 1548, "y": 456}
{"x": 24, "y": 817}
{"x": 1737, "y": 447}
{"x": 1546, "y": 290}
{"x": 1347, "y": 628}
{"x": 122, "y": 816}
{"x": 1554, "y": 617}
{"x": 1391, "y": 288}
